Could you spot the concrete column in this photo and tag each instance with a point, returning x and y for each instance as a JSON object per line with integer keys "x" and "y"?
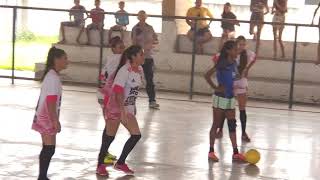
{"x": 23, "y": 16}
{"x": 182, "y": 7}
{"x": 168, "y": 8}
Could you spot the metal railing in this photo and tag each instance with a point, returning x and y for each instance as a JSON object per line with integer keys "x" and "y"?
{"x": 191, "y": 90}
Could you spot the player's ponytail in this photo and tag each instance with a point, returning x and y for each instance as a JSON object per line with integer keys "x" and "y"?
{"x": 53, "y": 54}
{"x": 243, "y": 56}
{"x": 127, "y": 55}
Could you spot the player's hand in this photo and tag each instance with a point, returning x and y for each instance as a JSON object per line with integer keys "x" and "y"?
{"x": 124, "y": 117}
{"x": 245, "y": 73}
{"x": 57, "y": 126}
{"x": 220, "y": 89}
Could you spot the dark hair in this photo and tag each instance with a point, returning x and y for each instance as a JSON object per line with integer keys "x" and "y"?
{"x": 127, "y": 55}
{"x": 224, "y": 12}
{"x": 115, "y": 41}
{"x": 53, "y": 54}
{"x": 243, "y": 56}
{"x": 222, "y": 62}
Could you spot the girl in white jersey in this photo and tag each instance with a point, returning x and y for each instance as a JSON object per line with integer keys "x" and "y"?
{"x": 121, "y": 107}
{"x": 245, "y": 61}
{"x": 46, "y": 120}
{"x": 107, "y": 76}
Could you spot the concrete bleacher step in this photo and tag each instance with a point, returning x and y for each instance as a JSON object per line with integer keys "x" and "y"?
{"x": 305, "y": 51}
{"x": 258, "y": 88}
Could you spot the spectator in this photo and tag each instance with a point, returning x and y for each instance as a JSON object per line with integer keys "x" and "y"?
{"x": 122, "y": 20}
{"x": 315, "y": 12}
{"x": 144, "y": 35}
{"x": 258, "y": 7}
{"x": 77, "y": 12}
{"x": 227, "y": 24}
{"x": 97, "y": 16}
{"x": 279, "y": 10}
{"x": 202, "y": 28}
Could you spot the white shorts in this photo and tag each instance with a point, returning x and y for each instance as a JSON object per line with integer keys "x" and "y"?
{"x": 240, "y": 86}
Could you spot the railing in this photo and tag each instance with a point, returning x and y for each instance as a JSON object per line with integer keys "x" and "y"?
{"x": 194, "y": 55}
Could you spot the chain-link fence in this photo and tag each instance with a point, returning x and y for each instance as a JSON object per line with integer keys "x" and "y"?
{"x": 179, "y": 67}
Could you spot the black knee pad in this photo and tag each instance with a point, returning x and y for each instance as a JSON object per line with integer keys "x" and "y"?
{"x": 110, "y": 138}
{"x": 135, "y": 138}
{"x": 232, "y": 125}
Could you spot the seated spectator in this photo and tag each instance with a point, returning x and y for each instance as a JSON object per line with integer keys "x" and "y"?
{"x": 77, "y": 12}
{"x": 202, "y": 28}
{"x": 122, "y": 20}
{"x": 227, "y": 24}
{"x": 97, "y": 16}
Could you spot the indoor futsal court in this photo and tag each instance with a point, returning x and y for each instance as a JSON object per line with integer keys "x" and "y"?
{"x": 159, "y": 90}
{"x": 174, "y": 142}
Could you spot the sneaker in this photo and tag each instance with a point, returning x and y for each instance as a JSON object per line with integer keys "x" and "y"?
{"x": 212, "y": 156}
{"x": 245, "y": 137}
{"x": 109, "y": 159}
{"x": 154, "y": 105}
{"x": 124, "y": 168}
{"x": 239, "y": 157}
{"x": 101, "y": 170}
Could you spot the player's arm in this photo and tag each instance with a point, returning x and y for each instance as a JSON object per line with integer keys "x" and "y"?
{"x": 134, "y": 36}
{"x": 189, "y": 21}
{"x": 51, "y": 101}
{"x": 208, "y": 78}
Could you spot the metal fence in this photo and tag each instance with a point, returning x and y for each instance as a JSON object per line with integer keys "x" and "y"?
{"x": 194, "y": 55}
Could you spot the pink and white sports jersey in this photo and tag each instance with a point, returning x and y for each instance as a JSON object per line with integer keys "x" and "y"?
{"x": 112, "y": 63}
{"x": 109, "y": 69}
{"x": 51, "y": 90}
{"x": 128, "y": 81}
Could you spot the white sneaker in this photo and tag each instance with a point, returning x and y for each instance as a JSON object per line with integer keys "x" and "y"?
{"x": 154, "y": 105}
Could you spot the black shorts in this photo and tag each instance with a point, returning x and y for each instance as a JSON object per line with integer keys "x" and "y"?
{"x": 202, "y": 31}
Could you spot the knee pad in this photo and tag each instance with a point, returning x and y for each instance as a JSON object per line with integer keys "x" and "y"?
{"x": 109, "y": 138}
{"x": 135, "y": 138}
{"x": 232, "y": 125}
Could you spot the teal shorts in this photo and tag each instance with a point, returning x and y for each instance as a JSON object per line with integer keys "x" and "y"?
{"x": 223, "y": 103}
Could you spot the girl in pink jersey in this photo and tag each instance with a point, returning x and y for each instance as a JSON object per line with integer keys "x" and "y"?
{"x": 121, "y": 107}
{"x": 46, "y": 120}
{"x": 107, "y": 76}
{"x": 245, "y": 61}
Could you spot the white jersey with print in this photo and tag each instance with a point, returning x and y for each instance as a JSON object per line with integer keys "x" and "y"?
{"x": 109, "y": 69}
{"x": 130, "y": 80}
{"x": 112, "y": 64}
{"x": 51, "y": 86}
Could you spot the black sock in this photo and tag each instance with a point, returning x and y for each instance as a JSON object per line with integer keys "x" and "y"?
{"x": 132, "y": 141}
{"x": 243, "y": 119}
{"x": 235, "y": 151}
{"x": 105, "y": 144}
{"x": 211, "y": 149}
{"x": 44, "y": 160}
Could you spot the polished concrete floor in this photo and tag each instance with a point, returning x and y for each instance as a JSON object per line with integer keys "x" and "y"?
{"x": 174, "y": 144}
